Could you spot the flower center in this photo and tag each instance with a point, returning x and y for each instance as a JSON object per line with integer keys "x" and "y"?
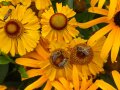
{"x": 13, "y": 28}
{"x": 58, "y": 21}
{"x": 117, "y": 18}
{"x": 59, "y": 58}
{"x": 81, "y": 54}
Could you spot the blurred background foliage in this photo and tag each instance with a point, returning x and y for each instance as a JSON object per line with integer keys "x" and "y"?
{"x": 11, "y": 73}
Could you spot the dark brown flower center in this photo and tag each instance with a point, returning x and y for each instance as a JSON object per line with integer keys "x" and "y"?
{"x": 59, "y": 58}
{"x": 81, "y": 54}
{"x": 58, "y": 21}
{"x": 117, "y": 18}
{"x": 13, "y": 28}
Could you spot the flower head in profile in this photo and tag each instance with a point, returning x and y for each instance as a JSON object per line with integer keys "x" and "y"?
{"x": 18, "y": 30}
{"x": 111, "y": 17}
{"x": 86, "y": 58}
{"x": 59, "y": 25}
{"x": 51, "y": 65}
{"x": 106, "y": 86}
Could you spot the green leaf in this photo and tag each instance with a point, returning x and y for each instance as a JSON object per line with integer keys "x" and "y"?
{"x": 3, "y": 72}
{"x": 22, "y": 71}
{"x": 4, "y": 3}
{"x": 70, "y": 3}
{"x": 4, "y": 59}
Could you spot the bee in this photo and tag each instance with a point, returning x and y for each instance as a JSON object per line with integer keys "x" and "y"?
{"x": 7, "y": 14}
{"x": 83, "y": 50}
{"x": 56, "y": 55}
{"x": 61, "y": 64}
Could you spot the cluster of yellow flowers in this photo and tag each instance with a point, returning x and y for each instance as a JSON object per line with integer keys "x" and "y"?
{"x": 48, "y": 43}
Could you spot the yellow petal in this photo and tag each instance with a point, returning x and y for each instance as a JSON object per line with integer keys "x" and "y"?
{"x": 108, "y": 44}
{"x": 67, "y": 72}
{"x": 101, "y": 3}
{"x": 97, "y": 46}
{"x": 67, "y": 36}
{"x": 48, "y": 13}
{"x": 85, "y": 84}
{"x": 112, "y": 8}
{"x": 104, "y": 86}
{"x": 28, "y": 62}
{"x": 22, "y": 10}
{"x": 33, "y": 55}
{"x": 116, "y": 77}
{"x": 93, "y": 69}
{"x": 59, "y": 7}
{"x": 99, "y": 34}
{"x": 65, "y": 83}
{"x": 93, "y": 2}
{"x": 116, "y": 45}
{"x": 48, "y": 86}
{"x": 85, "y": 71}
{"x": 2, "y": 87}
{"x": 42, "y": 4}
{"x": 34, "y": 72}
{"x": 60, "y": 38}
{"x": 72, "y": 31}
{"x": 13, "y": 45}
{"x": 45, "y": 30}
{"x": 58, "y": 85}
{"x": 50, "y": 36}
{"x": 52, "y": 74}
{"x": 75, "y": 77}
{"x": 26, "y": 2}
{"x": 98, "y": 60}
{"x": 21, "y": 48}
{"x": 38, "y": 83}
{"x": 93, "y": 87}
{"x": 28, "y": 16}
{"x": 6, "y": 45}
{"x": 98, "y": 10}
{"x": 92, "y": 22}
{"x": 42, "y": 52}
{"x": 25, "y": 43}
{"x": 69, "y": 12}
{"x": 73, "y": 22}
{"x": 2, "y": 24}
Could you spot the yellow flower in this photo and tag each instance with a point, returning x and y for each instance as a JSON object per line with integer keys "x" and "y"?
{"x": 18, "y": 30}
{"x": 42, "y": 4}
{"x": 3, "y": 87}
{"x": 105, "y": 86}
{"x": 86, "y": 58}
{"x": 51, "y": 65}
{"x": 100, "y": 3}
{"x": 57, "y": 25}
{"x": 112, "y": 29}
